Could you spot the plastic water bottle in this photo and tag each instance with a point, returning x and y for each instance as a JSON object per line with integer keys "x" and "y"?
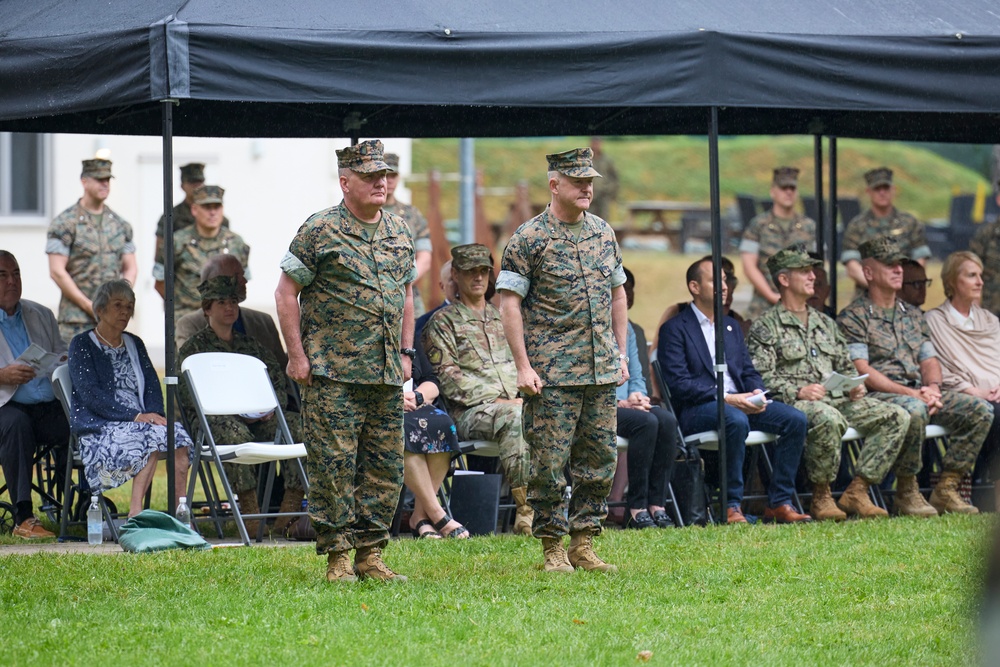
{"x": 95, "y": 523}
{"x": 183, "y": 511}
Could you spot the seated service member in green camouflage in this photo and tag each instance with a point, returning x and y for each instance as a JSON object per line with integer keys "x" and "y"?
{"x": 195, "y": 244}
{"x": 417, "y": 223}
{"x": 465, "y": 344}
{"x": 564, "y": 317}
{"x": 771, "y": 231}
{"x": 88, "y": 245}
{"x": 220, "y": 298}
{"x": 986, "y": 244}
{"x": 881, "y": 219}
{"x": 795, "y": 348}
{"x": 192, "y": 178}
{"x": 890, "y": 341}
{"x": 345, "y": 307}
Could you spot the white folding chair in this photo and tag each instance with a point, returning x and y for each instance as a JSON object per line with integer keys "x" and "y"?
{"x": 223, "y": 383}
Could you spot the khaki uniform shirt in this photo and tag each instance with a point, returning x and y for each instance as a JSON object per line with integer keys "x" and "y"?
{"x": 191, "y": 251}
{"x": 565, "y": 284}
{"x": 353, "y": 290}
{"x": 893, "y": 340}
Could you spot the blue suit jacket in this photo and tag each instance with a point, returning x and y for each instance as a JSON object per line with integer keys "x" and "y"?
{"x": 687, "y": 363}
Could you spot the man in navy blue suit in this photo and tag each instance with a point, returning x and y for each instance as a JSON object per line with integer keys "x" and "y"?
{"x": 687, "y": 355}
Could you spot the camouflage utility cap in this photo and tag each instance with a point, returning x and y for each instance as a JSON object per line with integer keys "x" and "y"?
{"x": 472, "y": 256}
{"x": 96, "y": 168}
{"x": 578, "y": 162}
{"x": 193, "y": 172}
{"x": 219, "y": 287}
{"x": 364, "y": 158}
{"x": 785, "y": 176}
{"x": 792, "y": 257}
{"x": 392, "y": 160}
{"x": 877, "y": 177}
{"x": 883, "y": 249}
{"x": 208, "y": 194}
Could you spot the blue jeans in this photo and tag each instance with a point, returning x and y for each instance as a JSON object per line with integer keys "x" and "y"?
{"x": 782, "y": 420}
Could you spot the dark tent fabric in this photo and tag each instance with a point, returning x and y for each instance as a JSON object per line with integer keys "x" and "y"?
{"x": 862, "y": 68}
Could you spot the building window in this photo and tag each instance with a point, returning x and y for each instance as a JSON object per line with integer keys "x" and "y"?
{"x": 23, "y": 163}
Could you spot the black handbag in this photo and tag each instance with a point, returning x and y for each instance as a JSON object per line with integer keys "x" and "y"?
{"x": 689, "y": 485}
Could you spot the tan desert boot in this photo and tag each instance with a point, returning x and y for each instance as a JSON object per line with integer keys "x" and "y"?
{"x": 822, "y": 506}
{"x": 338, "y": 567}
{"x": 581, "y": 553}
{"x": 525, "y": 515}
{"x": 249, "y": 505}
{"x": 291, "y": 502}
{"x": 945, "y": 498}
{"x": 855, "y": 500}
{"x": 909, "y": 500}
{"x": 555, "y": 555}
{"x": 368, "y": 564}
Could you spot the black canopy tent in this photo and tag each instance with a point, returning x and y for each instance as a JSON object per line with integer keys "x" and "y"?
{"x": 910, "y": 69}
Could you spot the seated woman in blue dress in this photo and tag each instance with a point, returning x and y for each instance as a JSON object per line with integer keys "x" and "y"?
{"x": 118, "y": 411}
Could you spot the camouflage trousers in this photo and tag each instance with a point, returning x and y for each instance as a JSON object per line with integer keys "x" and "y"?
{"x": 575, "y": 426}
{"x": 231, "y": 430}
{"x": 882, "y": 424}
{"x": 354, "y": 436}
{"x": 500, "y": 422}
{"x": 967, "y": 418}
{"x": 68, "y": 330}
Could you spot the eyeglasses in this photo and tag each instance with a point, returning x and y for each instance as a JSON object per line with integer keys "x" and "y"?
{"x": 917, "y": 284}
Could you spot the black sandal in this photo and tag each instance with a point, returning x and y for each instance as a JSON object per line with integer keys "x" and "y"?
{"x": 427, "y": 534}
{"x": 456, "y": 533}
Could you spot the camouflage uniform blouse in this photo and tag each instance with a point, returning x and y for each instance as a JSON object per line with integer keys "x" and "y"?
{"x": 353, "y": 289}
{"x": 986, "y": 244}
{"x": 191, "y": 251}
{"x": 417, "y": 223}
{"x": 470, "y": 356}
{"x": 566, "y": 284}
{"x": 903, "y": 227}
{"x": 94, "y": 249}
{"x": 893, "y": 340}
{"x": 767, "y": 234}
{"x": 789, "y": 355}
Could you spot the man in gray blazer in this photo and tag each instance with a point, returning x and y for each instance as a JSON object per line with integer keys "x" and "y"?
{"x": 31, "y": 418}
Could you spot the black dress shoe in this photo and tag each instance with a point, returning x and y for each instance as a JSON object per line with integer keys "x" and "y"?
{"x": 662, "y": 519}
{"x": 639, "y": 521}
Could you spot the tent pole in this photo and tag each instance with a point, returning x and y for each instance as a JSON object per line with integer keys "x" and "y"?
{"x": 718, "y": 312}
{"x": 467, "y": 189}
{"x": 168, "y": 302}
{"x": 820, "y": 218}
{"x": 834, "y": 214}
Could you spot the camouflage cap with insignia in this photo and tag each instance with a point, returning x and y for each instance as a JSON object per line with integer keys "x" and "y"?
{"x": 879, "y": 176}
{"x": 96, "y": 168}
{"x": 882, "y": 249}
{"x": 208, "y": 194}
{"x": 219, "y": 287}
{"x": 785, "y": 176}
{"x": 792, "y": 257}
{"x": 366, "y": 157}
{"x": 392, "y": 160}
{"x": 193, "y": 172}
{"x": 471, "y": 256}
{"x": 578, "y": 162}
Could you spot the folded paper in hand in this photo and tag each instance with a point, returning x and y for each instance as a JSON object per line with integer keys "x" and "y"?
{"x": 758, "y": 400}
{"x": 43, "y": 362}
{"x": 838, "y": 382}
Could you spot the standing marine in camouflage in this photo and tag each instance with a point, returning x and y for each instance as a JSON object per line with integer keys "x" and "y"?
{"x": 606, "y": 189}
{"x": 890, "y": 341}
{"x": 881, "y": 219}
{"x": 195, "y": 244}
{"x": 986, "y": 244}
{"x": 565, "y": 318}
{"x": 771, "y": 231}
{"x": 465, "y": 344}
{"x": 417, "y": 223}
{"x": 346, "y": 311}
{"x": 192, "y": 178}
{"x": 88, "y": 245}
{"x": 796, "y": 348}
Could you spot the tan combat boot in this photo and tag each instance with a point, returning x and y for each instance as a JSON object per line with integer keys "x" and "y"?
{"x": 368, "y": 564}
{"x": 555, "y": 555}
{"x": 338, "y": 567}
{"x": 909, "y": 500}
{"x": 822, "y": 506}
{"x": 525, "y": 515}
{"x": 581, "y": 553}
{"x": 855, "y": 500}
{"x": 945, "y": 498}
{"x": 291, "y": 502}
{"x": 249, "y": 505}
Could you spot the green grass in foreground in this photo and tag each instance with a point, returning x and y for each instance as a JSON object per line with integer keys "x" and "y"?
{"x": 899, "y": 592}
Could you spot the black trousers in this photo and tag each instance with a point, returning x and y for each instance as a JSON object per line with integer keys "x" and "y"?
{"x": 24, "y": 430}
{"x": 652, "y": 447}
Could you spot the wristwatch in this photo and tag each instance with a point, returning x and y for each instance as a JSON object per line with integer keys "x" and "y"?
{"x": 419, "y": 398}
{"x": 411, "y": 352}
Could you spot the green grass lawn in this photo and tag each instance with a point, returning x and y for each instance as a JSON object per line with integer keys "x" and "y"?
{"x": 898, "y": 592}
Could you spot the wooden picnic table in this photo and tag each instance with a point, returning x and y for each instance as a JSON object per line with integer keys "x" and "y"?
{"x": 677, "y": 220}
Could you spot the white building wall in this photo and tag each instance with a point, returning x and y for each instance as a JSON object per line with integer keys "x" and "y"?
{"x": 272, "y": 186}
